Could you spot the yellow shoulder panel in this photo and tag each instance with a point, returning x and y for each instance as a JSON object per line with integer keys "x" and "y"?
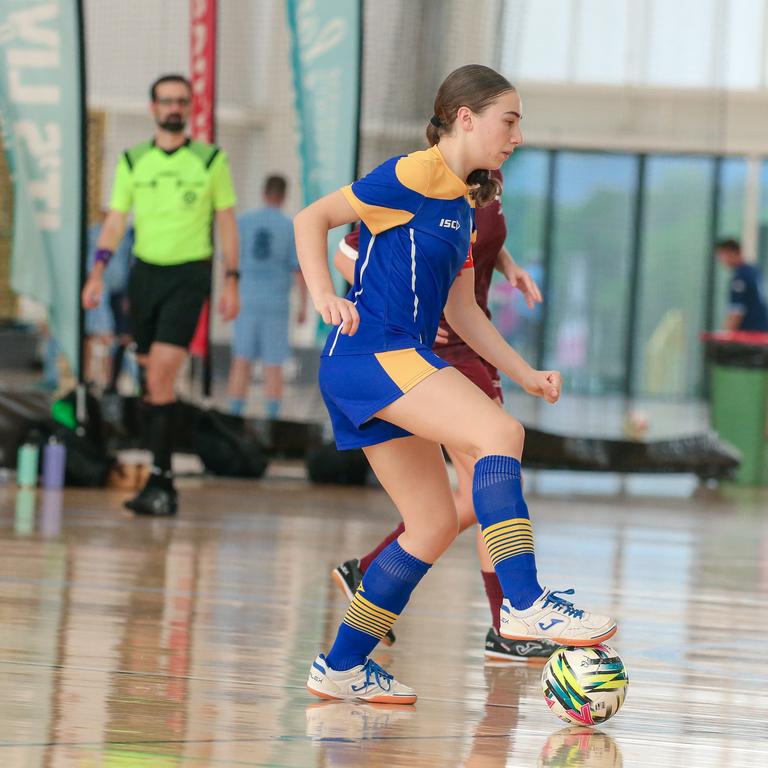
{"x": 444, "y": 184}
{"x": 414, "y": 173}
{"x": 376, "y": 217}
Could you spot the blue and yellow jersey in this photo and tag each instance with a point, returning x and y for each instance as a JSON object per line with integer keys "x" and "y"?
{"x": 417, "y": 226}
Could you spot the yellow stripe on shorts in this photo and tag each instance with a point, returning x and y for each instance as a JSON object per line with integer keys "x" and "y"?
{"x": 406, "y": 367}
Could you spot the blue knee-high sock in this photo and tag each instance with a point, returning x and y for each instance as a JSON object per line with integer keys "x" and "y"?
{"x": 503, "y": 516}
{"x": 380, "y": 598}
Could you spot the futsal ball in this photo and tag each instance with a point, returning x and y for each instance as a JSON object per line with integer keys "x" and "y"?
{"x": 584, "y": 686}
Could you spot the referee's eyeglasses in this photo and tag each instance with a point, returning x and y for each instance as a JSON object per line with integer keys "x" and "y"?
{"x": 169, "y": 101}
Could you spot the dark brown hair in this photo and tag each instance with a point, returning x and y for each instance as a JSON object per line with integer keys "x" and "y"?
{"x": 168, "y": 79}
{"x": 275, "y": 186}
{"x": 476, "y": 87}
{"x": 729, "y": 244}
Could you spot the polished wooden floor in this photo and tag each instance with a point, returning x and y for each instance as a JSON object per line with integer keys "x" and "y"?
{"x": 161, "y": 643}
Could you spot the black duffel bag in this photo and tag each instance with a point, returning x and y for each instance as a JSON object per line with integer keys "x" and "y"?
{"x": 328, "y": 465}
{"x": 226, "y": 448}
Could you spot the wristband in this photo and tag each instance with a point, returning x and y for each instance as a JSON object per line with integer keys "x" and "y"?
{"x": 103, "y": 255}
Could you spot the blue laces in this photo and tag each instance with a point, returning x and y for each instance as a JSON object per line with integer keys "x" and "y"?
{"x": 564, "y": 606}
{"x": 374, "y": 672}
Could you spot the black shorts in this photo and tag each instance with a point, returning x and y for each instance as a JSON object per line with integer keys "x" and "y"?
{"x": 166, "y": 302}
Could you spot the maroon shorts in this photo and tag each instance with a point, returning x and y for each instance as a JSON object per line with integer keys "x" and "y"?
{"x": 482, "y": 375}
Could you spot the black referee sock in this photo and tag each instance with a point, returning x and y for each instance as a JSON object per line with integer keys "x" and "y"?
{"x": 160, "y": 431}
{"x": 142, "y": 381}
{"x": 118, "y": 355}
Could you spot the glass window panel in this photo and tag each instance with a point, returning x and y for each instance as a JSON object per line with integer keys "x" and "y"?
{"x": 733, "y": 176}
{"x": 744, "y": 40}
{"x": 673, "y": 269}
{"x": 680, "y": 44}
{"x": 762, "y": 254}
{"x": 601, "y": 52}
{"x": 524, "y": 201}
{"x": 589, "y": 282}
{"x": 689, "y": 43}
{"x": 537, "y": 35}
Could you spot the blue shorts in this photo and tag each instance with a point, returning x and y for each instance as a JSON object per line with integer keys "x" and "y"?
{"x": 261, "y": 333}
{"x": 355, "y": 387}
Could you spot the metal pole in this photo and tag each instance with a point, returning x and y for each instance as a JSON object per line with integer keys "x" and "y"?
{"x": 81, "y": 411}
{"x": 634, "y": 277}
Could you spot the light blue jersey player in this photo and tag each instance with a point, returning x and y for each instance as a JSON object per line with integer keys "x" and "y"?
{"x": 268, "y": 268}
{"x": 389, "y": 393}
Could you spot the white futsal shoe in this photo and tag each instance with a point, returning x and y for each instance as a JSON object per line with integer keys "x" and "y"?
{"x": 367, "y": 682}
{"x": 555, "y": 619}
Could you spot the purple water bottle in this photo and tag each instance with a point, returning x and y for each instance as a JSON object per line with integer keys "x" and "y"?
{"x": 54, "y": 464}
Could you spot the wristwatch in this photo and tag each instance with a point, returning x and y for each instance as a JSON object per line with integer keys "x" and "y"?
{"x": 233, "y": 273}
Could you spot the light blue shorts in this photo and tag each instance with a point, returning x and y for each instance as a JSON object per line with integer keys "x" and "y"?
{"x": 262, "y": 334}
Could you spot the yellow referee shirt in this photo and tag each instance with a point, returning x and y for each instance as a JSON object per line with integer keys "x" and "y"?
{"x": 173, "y": 196}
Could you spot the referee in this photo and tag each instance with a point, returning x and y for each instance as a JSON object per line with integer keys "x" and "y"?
{"x": 175, "y": 188}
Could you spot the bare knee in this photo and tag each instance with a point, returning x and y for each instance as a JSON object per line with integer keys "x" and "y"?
{"x": 428, "y": 542}
{"x": 505, "y": 438}
{"x": 443, "y": 533}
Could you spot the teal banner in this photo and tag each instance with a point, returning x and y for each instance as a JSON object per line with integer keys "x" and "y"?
{"x": 325, "y": 49}
{"x": 41, "y": 113}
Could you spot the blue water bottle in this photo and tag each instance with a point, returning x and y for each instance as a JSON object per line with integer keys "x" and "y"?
{"x": 54, "y": 464}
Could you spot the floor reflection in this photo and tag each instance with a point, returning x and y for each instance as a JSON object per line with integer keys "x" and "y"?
{"x": 580, "y": 747}
{"x": 186, "y": 642}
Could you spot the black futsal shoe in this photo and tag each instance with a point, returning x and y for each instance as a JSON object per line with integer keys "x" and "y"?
{"x": 348, "y": 577}
{"x": 501, "y": 649}
{"x": 154, "y": 501}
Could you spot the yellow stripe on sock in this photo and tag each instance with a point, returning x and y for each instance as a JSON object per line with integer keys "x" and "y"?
{"x": 509, "y": 538}
{"x": 501, "y": 539}
{"x": 368, "y": 617}
{"x": 505, "y": 524}
{"x": 365, "y": 618}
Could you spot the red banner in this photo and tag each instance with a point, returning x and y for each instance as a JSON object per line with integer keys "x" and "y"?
{"x": 203, "y": 68}
{"x": 203, "y": 75}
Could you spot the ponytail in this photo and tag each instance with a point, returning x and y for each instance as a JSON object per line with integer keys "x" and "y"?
{"x": 484, "y": 188}
{"x": 433, "y": 130}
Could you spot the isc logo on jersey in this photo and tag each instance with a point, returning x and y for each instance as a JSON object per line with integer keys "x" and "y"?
{"x": 450, "y": 224}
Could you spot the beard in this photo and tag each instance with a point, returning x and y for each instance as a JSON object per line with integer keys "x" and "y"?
{"x": 173, "y": 124}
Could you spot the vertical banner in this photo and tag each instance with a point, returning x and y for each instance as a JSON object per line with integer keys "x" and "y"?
{"x": 326, "y": 45}
{"x": 203, "y": 68}
{"x": 203, "y": 76}
{"x": 41, "y": 108}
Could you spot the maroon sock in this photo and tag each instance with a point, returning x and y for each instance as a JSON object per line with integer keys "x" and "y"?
{"x": 495, "y": 596}
{"x": 371, "y": 556}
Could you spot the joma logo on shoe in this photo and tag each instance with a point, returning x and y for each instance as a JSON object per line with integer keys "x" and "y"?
{"x": 550, "y": 625}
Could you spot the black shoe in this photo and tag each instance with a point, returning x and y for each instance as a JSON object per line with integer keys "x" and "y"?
{"x": 501, "y": 649}
{"x": 154, "y": 501}
{"x": 348, "y": 577}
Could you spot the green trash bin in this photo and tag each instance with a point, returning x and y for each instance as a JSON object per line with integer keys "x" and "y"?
{"x": 739, "y": 398}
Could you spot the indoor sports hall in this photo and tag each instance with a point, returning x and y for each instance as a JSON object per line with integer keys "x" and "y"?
{"x": 191, "y": 512}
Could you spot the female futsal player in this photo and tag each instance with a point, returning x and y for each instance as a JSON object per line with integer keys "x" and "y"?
{"x": 488, "y": 254}
{"x": 388, "y": 393}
